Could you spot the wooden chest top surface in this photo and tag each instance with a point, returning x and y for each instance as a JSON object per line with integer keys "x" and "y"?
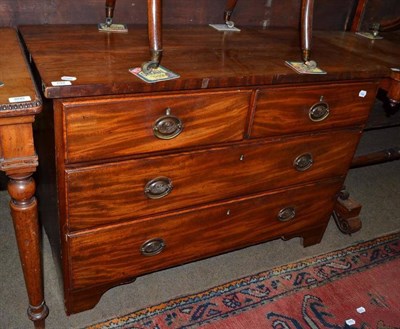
{"x": 204, "y": 58}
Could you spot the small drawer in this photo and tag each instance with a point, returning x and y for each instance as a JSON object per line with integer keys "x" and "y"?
{"x": 110, "y": 193}
{"x": 304, "y": 109}
{"x": 108, "y": 128}
{"x": 132, "y": 249}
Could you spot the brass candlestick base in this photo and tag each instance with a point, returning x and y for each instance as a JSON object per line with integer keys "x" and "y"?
{"x": 104, "y": 27}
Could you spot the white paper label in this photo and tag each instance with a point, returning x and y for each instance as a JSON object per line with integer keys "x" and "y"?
{"x": 68, "y": 78}
{"x": 362, "y": 93}
{"x": 61, "y": 83}
{"x": 361, "y": 310}
{"x": 19, "y": 99}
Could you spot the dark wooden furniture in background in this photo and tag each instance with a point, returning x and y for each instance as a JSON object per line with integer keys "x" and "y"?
{"x": 378, "y": 11}
{"x": 19, "y": 104}
{"x": 390, "y": 30}
{"x": 329, "y": 15}
{"x": 253, "y": 150}
{"x": 385, "y": 52}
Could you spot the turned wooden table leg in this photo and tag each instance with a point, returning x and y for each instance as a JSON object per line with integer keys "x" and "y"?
{"x": 394, "y": 87}
{"x": 23, "y": 207}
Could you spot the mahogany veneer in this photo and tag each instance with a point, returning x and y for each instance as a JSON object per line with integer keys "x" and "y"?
{"x": 262, "y": 153}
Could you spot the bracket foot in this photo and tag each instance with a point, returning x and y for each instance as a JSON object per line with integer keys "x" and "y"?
{"x": 346, "y": 213}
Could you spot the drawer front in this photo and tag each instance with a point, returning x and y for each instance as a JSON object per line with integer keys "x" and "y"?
{"x": 303, "y": 109}
{"x": 110, "y": 193}
{"x": 103, "y": 129}
{"x": 131, "y": 249}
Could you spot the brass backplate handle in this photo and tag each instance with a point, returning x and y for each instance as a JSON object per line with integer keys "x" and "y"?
{"x": 152, "y": 247}
{"x": 167, "y": 126}
{"x": 303, "y": 162}
{"x": 287, "y": 214}
{"x": 319, "y": 111}
{"x": 158, "y": 187}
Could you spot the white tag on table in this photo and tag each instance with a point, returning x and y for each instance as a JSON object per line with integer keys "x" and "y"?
{"x": 68, "y": 78}
{"x": 61, "y": 83}
{"x": 361, "y": 310}
{"x": 362, "y": 93}
{"x": 19, "y": 99}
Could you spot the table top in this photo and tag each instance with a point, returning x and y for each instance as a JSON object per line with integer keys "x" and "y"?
{"x": 18, "y": 95}
{"x": 203, "y": 57}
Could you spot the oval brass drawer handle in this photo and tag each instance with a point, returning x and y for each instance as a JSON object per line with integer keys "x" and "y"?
{"x": 168, "y": 126}
{"x": 158, "y": 187}
{"x": 319, "y": 111}
{"x": 303, "y": 162}
{"x": 286, "y": 214}
{"x": 152, "y": 247}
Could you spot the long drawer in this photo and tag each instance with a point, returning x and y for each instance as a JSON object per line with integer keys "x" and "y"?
{"x": 304, "y": 109}
{"x": 109, "y": 193}
{"x": 107, "y": 128}
{"x": 131, "y": 249}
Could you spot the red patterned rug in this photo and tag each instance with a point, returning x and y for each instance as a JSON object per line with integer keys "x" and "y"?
{"x": 357, "y": 287}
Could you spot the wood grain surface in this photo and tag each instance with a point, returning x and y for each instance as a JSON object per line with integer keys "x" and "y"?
{"x": 16, "y": 79}
{"x": 101, "y": 61}
{"x": 113, "y": 253}
{"x": 113, "y": 192}
{"x": 124, "y": 126}
{"x": 287, "y": 110}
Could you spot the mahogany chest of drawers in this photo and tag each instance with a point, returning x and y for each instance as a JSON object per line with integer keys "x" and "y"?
{"x": 239, "y": 150}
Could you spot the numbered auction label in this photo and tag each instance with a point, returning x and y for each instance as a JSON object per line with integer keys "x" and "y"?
{"x": 19, "y": 99}
{"x": 61, "y": 83}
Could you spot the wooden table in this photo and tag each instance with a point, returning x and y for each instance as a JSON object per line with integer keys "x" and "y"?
{"x": 384, "y": 51}
{"x": 240, "y": 149}
{"x": 19, "y": 103}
